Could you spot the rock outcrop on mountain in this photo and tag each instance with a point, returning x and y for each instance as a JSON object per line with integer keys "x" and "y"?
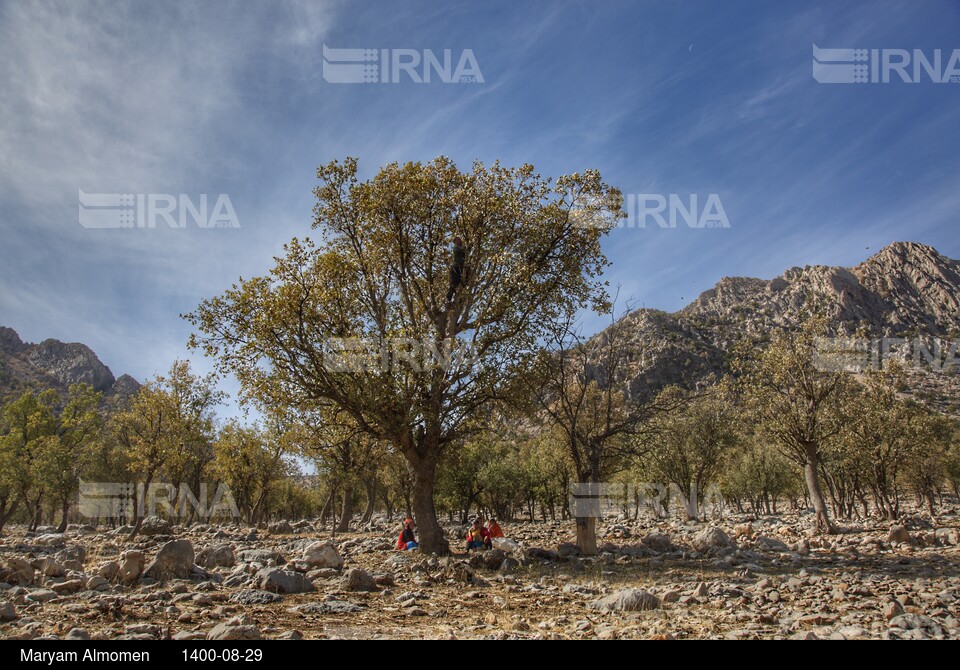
{"x": 55, "y": 365}
{"x": 907, "y": 290}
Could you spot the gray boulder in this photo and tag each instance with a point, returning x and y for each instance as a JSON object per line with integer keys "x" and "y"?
{"x": 322, "y": 555}
{"x": 712, "y": 538}
{"x": 262, "y": 556}
{"x": 277, "y": 580}
{"x": 628, "y": 600}
{"x": 913, "y": 627}
{"x": 154, "y": 525}
{"x": 8, "y": 612}
{"x": 131, "y": 566}
{"x": 218, "y": 556}
{"x": 356, "y": 579}
{"x": 173, "y": 561}
{"x": 658, "y": 542}
{"x": 899, "y": 535}
{"x": 280, "y": 528}
{"x": 18, "y": 571}
{"x": 255, "y": 597}
{"x": 227, "y": 632}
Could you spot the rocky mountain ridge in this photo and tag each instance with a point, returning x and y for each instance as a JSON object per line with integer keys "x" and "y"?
{"x": 56, "y": 365}
{"x": 906, "y": 290}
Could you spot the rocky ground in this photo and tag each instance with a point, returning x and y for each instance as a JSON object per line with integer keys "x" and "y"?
{"x": 733, "y": 578}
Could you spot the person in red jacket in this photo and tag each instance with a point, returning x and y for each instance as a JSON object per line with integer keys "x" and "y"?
{"x": 494, "y": 529}
{"x": 478, "y": 537}
{"x": 407, "y": 539}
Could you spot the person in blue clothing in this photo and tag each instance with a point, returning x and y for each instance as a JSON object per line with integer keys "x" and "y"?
{"x": 407, "y": 540}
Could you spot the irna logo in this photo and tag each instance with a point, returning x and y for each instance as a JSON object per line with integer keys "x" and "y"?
{"x": 884, "y": 66}
{"x": 391, "y": 66}
{"x": 146, "y": 210}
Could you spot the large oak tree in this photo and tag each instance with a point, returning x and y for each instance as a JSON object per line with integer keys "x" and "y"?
{"x": 377, "y": 281}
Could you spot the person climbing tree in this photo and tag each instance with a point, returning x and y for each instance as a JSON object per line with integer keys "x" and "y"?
{"x": 456, "y": 268}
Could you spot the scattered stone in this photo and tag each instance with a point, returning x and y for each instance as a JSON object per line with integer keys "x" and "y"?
{"x": 8, "y": 612}
{"x": 77, "y": 634}
{"x": 261, "y": 556}
{"x": 509, "y": 565}
{"x": 771, "y": 544}
{"x": 913, "y": 627}
{"x": 18, "y": 571}
{"x": 280, "y": 528}
{"x": 154, "y": 525}
{"x": 152, "y": 630}
{"x": 356, "y": 579}
{"x": 892, "y": 610}
{"x": 229, "y": 632}
{"x": 109, "y": 570}
{"x": 68, "y": 587}
{"x": 900, "y": 535}
{"x": 712, "y": 538}
{"x": 255, "y": 597}
{"x": 131, "y": 566}
{"x": 322, "y": 555}
{"x": 218, "y": 556}
{"x": 278, "y": 580}
{"x": 173, "y": 561}
{"x": 658, "y": 542}
{"x": 538, "y": 554}
{"x": 628, "y": 600}
{"x": 493, "y": 559}
{"x": 42, "y": 595}
{"x": 188, "y": 635}
{"x": 804, "y": 635}
{"x": 670, "y": 596}
{"x": 327, "y": 607}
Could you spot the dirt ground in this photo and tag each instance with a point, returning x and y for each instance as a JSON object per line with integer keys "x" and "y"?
{"x": 738, "y": 577}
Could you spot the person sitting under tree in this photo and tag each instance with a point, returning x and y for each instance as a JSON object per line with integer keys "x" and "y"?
{"x": 477, "y": 536}
{"x": 407, "y": 540}
{"x": 457, "y": 267}
{"x": 494, "y": 529}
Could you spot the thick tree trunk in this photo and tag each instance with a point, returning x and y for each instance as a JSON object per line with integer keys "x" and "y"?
{"x": 690, "y": 503}
{"x": 346, "y": 510}
{"x": 587, "y": 535}
{"x": 370, "y": 488}
{"x": 423, "y": 470}
{"x": 65, "y": 510}
{"x": 387, "y": 503}
{"x": 327, "y": 507}
{"x": 6, "y": 513}
{"x": 812, "y": 476}
{"x": 141, "y": 506}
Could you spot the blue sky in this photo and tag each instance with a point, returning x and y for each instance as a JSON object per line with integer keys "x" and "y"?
{"x": 661, "y": 97}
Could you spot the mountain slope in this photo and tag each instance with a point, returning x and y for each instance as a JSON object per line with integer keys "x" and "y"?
{"x": 905, "y": 290}
{"x": 54, "y": 365}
